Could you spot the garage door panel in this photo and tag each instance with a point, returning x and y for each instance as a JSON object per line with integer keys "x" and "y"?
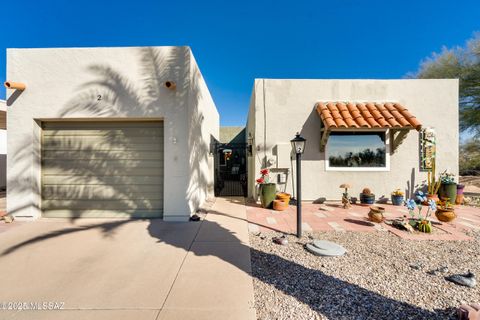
{"x": 92, "y": 145}
{"x": 95, "y": 192}
{"x": 103, "y": 155}
{"x": 98, "y": 165}
{"x": 61, "y": 213}
{"x": 108, "y": 171}
{"x": 105, "y": 169}
{"x": 100, "y": 180}
{"x": 104, "y": 204}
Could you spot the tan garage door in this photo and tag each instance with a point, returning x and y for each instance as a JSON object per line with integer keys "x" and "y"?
{"x": 102, "y": 169}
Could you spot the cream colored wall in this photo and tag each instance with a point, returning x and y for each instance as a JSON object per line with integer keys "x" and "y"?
{"x": 66, "y": 83}
{"x": 204, "y": 125}
{"x": 3, "y": 149}
{"x": 289, "y": 107}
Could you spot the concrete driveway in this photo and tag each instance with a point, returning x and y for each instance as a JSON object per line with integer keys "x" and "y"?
{"x": 129, "y": 269}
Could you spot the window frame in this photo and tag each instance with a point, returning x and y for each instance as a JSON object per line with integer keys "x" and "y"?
{"x": 364, "y": 169}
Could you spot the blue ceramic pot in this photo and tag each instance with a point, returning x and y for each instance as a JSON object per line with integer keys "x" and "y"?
{"x": 397, "y": 200}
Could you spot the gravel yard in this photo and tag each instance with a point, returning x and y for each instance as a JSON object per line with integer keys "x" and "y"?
{"x": 380, "y": 277}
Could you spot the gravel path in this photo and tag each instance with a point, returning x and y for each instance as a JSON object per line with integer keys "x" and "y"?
{"x": 374, "y": 280}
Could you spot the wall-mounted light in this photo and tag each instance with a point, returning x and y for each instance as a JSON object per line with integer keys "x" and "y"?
{"x": 250, "y": 144}
{"x": 170, "y": 85}
{"x": 15, "y": 85}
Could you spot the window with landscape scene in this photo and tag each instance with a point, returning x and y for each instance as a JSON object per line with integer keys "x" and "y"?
{"x": 357, "y": 150}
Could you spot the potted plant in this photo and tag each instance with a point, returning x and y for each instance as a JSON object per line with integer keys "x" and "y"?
{"x": 397, "y": 197}
{"x": 448, "y": 188}
{"x": 267, "y": 189}
{"x": 445, "y": 211}
{"x": 367, "y": 197}
{"x": 420, "y": 222}
{"x": 432, "y": 184}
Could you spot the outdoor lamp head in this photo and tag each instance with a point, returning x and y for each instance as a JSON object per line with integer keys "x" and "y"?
{"x": 298, "y": 143}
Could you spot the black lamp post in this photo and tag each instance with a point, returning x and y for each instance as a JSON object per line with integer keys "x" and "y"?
{"x": 298, "y": 145}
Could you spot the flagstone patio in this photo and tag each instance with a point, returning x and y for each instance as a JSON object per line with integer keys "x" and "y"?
{"x": 331, "y": 216}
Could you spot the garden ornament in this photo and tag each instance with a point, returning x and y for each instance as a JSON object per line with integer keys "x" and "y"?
{"x": 345, "y": 198}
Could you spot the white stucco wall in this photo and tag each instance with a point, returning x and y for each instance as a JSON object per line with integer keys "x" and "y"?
{"x": 280, "y": 108}
{"x": 65, "y": 83}
{"x": 3, "y": 150}
{"x": 203, "y": 128}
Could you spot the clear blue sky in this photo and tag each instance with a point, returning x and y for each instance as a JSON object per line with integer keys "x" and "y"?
{"x": 237, "y": 41}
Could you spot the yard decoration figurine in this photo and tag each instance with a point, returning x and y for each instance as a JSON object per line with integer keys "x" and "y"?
{"x": 267, "y": 190}
{"x": 345, "y": 198}
{"x": 421, "y": 223}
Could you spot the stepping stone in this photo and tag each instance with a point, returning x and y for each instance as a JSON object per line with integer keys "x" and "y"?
{"x": 325, "y": 248}
{"x": 335, "y": 226}
{"x": 271, "y": 220}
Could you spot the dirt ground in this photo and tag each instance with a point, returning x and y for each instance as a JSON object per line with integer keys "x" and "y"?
{"x": 472, "y": 184}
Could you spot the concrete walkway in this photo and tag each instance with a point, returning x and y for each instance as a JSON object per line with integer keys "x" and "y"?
{"x": 130, "y": 269}
{"x": 215, "y": 280}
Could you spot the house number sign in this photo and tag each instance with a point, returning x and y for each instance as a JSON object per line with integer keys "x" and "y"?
{"x": 427, "y": 148}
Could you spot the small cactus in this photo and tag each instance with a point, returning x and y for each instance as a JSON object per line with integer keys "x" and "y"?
{"x": 366, "y": 191}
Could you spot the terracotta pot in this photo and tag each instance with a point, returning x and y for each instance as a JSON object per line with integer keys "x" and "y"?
{"x": 459, "y": 199}
{"x": 375, "y": 215}
{"x": 433, "y": 197}
{"x": 283, "y": 196}
{"x": 279, "y": 205}
{"x": 445, "y": 215}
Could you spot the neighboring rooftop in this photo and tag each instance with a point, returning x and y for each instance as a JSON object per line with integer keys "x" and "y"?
{"x": 232, "y": 135}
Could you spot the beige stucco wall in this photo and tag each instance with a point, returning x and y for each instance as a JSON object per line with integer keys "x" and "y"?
{"x": 3, "y": 146}
{"x": 203, "y": 129}
{"x": 280, "y": 108}
{"x": 66, "y": 83}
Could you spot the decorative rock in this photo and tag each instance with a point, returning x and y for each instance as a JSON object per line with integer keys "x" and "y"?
{"x": 416, "y": 265}
{"x": 325, "y": 248}
{"x": 467, "y": 280}
{"x": 280, "y": 240}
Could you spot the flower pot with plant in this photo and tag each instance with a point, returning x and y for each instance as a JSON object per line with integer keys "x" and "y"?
{"x": 397, "y": 197}
{"x": 367, "y": 197}
{"x": 421, "y": 222}
{"x": 433, "y": 184}
{"x": 448, "y": 188}
{"x": 445, "y": 211}
{"x": 267, "y": 190}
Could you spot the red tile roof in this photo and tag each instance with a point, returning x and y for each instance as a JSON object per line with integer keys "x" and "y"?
{"x": 366, "y": 115}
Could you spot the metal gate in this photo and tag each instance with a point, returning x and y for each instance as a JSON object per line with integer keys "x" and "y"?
{"x": 231, "y": 169}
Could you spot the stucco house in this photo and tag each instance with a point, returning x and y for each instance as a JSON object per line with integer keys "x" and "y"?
{"x": 109, "y": 132}
{"x": 367, "y": 133}
{"x": 3, "y": 144}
